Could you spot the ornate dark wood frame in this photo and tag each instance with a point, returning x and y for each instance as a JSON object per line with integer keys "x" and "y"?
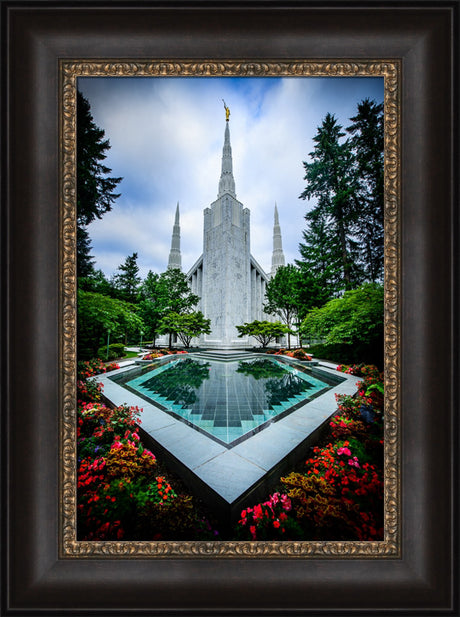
{"x": 390, "y": 72}
{"x": 42, "y": 572}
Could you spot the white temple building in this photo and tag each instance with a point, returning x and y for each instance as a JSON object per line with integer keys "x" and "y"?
{"x": 226, "y": 277}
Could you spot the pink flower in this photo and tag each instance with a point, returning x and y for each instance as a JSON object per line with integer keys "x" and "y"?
{"x": 286, "y": 503}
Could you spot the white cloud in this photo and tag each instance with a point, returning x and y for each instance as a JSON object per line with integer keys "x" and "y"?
{"x": 166, "y": 137}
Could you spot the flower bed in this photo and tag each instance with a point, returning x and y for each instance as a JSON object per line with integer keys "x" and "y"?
{"x": 159, "y": 353}
{"x": 125, "y": 494}
{"x": 121, "y": 493}
{"x": 269, "y": 520}
{"x": 298, "y": 354}
{"x": 339, "y": 493}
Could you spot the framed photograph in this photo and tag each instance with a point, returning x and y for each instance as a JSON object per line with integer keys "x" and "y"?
{"x": 236, "y": 412}
{"x": 148, "y": 75}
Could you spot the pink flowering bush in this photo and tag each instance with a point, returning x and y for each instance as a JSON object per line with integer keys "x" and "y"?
{"x": 339, "y": 495}
{"x": 119, "y": 494}
{"x": 89, "y": 368}
{"x": 269, "y": 520}
{"x": 88, "y": 389}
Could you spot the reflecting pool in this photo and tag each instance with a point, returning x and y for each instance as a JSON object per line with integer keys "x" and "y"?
{"x": 228, "y": 401}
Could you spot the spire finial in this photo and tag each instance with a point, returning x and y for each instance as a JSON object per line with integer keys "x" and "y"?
{"x": 227, "y": 111}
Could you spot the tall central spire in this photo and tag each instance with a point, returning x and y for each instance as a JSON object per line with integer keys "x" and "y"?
{"x": 227, "y": 182}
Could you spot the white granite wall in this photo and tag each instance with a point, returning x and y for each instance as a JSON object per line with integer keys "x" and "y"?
{"x": 226, "y": 269}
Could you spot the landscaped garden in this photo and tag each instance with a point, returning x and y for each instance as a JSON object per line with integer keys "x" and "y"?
{"x": 125, "y": 492}
{"x": 338, "y": 492}
{"x": 331, "y": 300}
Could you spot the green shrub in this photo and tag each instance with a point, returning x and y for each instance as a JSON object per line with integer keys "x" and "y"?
{"x": 349, "y": 354}
{"x": 116, "y": 350}
{"x": 350, "y": 327}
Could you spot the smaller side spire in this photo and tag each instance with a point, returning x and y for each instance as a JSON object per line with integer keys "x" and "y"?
{"x": 175, "y": 260}
{"x": 277, "y": 255}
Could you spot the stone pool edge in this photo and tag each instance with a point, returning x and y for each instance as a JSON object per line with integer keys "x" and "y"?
{"x": 231, "y": 479}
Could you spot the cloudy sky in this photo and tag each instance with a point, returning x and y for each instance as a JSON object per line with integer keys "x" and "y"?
{"x": 166, "y": 136}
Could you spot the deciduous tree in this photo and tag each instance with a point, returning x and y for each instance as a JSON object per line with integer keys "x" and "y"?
{"x": 185, "y": 325}
{"x": 180, "y": 299}
{"x": 282, "y": 296}
{"x": 152, "y": 304}
{"x": 355, "y": 318}
{"x": 263, "y": 331}
{"x": 97, "y": 314}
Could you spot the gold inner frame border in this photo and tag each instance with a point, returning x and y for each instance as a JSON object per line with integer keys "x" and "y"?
{"x": 69, "y": 71}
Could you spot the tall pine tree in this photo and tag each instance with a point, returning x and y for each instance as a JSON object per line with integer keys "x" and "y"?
{"x": 331, "y": 179}
{"x": 320, "y": 265}
{"x": 367, "y": 143}
{"x": 95, "y": 188}
{"x": 128, "y": 280}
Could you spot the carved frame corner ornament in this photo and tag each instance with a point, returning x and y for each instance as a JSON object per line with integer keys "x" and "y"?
{"x": 389, "y": 547}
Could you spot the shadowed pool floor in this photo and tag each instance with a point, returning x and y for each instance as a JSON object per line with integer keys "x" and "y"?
{"x": 227, "y": 400}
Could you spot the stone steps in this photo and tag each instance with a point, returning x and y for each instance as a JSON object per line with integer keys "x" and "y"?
{"x": 224, "y": 355}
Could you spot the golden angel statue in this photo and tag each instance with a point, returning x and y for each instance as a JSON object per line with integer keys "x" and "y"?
{"x": 227, "y": 111}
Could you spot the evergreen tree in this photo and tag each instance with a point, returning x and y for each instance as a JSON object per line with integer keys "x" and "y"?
{"x": 95, "y": 194}
{"x": 97, "y": 282}
{"x": 367, "y": 142}
{"x": 320, "y": 264}
{"x": 331, "y": 179}
{"x": 127, "y": 282}
{"x": 85, "y": 263}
